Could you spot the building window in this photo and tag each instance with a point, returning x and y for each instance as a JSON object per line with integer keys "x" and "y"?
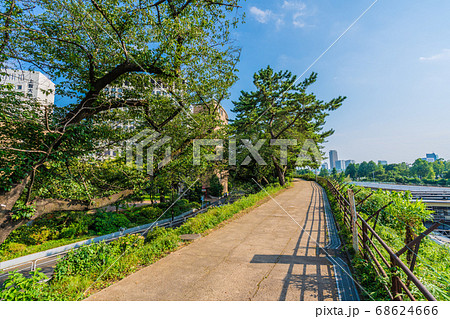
{"x": 30, "y": 86}
{"x": 19, "y": 87}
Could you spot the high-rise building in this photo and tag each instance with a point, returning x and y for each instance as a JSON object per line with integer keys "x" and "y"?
{"x": 382, "y": 162}
{"x": 348, "y": 162}
{"x": 340, "y": 165}
{"x": 32, "y": 84}
{"x": 333, "y": 158}
{"x": 325, "y": 166}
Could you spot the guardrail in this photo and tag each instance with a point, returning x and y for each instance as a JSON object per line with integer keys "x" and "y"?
{"x": 364, "y": 237}
{"x": 33, "y": 260}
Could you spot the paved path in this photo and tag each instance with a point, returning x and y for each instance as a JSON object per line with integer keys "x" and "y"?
{"x": 263, "y": 255}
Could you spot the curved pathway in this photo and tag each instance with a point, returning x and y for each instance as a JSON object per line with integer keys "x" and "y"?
{"x": 270, "y": 253}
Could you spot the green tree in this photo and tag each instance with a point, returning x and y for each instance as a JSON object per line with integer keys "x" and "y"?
{"x": 334, "y": 173}
{"x": 438, "y": 167}
{"x": 280, "y": 109}
{"x": 351, "y": 171}
{"x": 182, "y": 46}
{"x": 363, "y": 169}
{"x": 324, "y": 172}
{"x": 422, "y": 169}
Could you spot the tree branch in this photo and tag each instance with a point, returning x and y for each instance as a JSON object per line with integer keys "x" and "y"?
{"x": 20, "y": 150}
{"x": 119, "y": 35}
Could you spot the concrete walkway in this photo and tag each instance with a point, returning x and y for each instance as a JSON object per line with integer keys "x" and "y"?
{"x": 263, "y": 255}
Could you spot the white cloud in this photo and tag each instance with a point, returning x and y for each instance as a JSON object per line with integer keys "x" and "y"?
{"x": 297, "y": 21}
{"x": 444, "y": 55}
{"x": 298, "y": 10}
{"x": 294, "y": 10}
{"x": 280, "y": 22}
{"x": 262, "y": 16}
{"x": 294, "y": 5}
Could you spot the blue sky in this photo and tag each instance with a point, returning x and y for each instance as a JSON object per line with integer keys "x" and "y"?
{"x": 393, "y": 66}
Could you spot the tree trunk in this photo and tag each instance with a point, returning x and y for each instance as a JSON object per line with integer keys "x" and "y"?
{"x": 7, "y": 202}
{"x": 280, "y": 171}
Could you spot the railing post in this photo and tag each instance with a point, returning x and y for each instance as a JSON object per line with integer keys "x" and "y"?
{"x": 365, "y": 238}
{"x": 351, "y": 198}
{"x": 396, "y": 290}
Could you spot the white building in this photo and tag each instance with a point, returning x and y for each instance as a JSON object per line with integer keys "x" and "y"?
{"x": 31, "y": 83}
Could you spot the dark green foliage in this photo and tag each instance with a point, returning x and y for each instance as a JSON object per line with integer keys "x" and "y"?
{"x": 215, "y": 188}
{"x": 421, "y": 172}
{"x": 19, "y": 288}
{"x": 109, "y": 222}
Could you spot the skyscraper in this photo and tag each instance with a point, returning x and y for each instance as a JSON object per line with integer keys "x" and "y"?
{"x": 333, "y": 158}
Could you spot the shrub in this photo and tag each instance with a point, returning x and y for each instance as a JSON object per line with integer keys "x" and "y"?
{"x": 44, "y": 234}
{"x": 109, "y": 222}
{"x": 19, "y": 288}
{"x": 163, "y": 239}
{"x": 93, "y": 258}
{"x": 14, "y": 247}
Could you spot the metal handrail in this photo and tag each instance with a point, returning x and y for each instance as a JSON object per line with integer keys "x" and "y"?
{"x": 394, "y": 258}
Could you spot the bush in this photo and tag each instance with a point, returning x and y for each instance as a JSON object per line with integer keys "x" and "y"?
{"x": 93, "y": 258}
{"x": 163, "y": 239}
{"x": 42, "y": 235}
{"x": 19, "y": 288}
{"x": 109, "y": 222}
{"x": 14, "y": 247}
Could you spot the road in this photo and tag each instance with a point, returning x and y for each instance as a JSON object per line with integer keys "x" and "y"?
{"x": 270, "y": 253}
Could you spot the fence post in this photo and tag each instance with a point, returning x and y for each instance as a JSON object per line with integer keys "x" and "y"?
{"x": 396, "y": 292}
{"x": 365, "y": 238}
{"x": 351, "y": 199}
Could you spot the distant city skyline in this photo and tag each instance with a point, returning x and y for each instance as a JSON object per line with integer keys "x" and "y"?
{"x": 428, "y": 156}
